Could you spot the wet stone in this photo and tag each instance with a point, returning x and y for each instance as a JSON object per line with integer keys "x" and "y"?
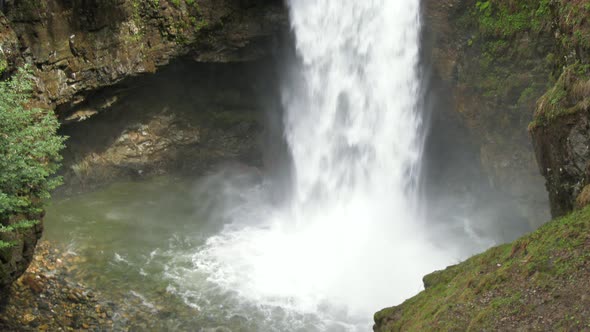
{"x": 45, "y": 298}
{"x": 60, "y": 300}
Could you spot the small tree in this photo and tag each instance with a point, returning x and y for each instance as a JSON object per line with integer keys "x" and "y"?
{"x": 29, "y": 153}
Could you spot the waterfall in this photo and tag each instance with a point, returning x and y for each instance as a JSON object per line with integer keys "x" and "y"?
{"x": 354, "y": 128}
{"x": 351, "y": 240}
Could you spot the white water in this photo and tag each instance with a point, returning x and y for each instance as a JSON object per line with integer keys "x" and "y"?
{"x": 351, "y": 240}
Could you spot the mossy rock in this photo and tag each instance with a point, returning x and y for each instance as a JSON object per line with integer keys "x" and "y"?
{"x": 569, "y": 95}
{"x": 539, "y": 282}
{"x": 439, "y": 277}
{"x": 583, "y": 198}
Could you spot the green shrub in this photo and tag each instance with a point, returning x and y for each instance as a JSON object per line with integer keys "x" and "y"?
{"x": 29, "y": 153}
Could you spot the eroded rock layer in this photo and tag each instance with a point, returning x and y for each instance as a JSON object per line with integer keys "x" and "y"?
{"x": 81, "y": 50}
{"x": 78, "y": 46}
{"x": 184, "y": 119}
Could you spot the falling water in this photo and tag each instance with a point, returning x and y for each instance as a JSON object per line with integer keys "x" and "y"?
{"x": 351, "y": 240}
{"x": 351, "y": 237}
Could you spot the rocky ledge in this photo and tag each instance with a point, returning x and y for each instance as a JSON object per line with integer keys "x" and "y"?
{"x": 80, "y": 46}
{"x": 561, "y": 133}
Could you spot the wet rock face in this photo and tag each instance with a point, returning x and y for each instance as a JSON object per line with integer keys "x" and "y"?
{"x": 491, "y": 83}
{"x": 143, "y": 148}
{"x": 79, "y": 46}
{"x": 15, "y": 260}
{"x": 563, "y": 152}
{"x": 561, "y": 126}
{"x": 183, "y": 120}
{"x": 10, "y": 54}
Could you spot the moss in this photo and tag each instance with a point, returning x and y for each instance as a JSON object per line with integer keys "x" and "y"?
{"x": 3, "y": 63}
{"x": 505, "y": 19}
{"x": 192, "y": 22}
{"x": 31, "y": 9}
{"x": 139, "y": 8}
{"x": 501, "y": 58}
{"x": 569, "y": 95}
{"x": 504, "y": 283}
{"x": 571, "y": 29}
{"x": 573, "y": 24}
{"x": 583, "y": 198}
{"x": 439, "y": 277}
{"x": 182, "y": 27}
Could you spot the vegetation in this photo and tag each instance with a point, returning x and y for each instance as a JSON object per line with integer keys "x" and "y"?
{"x": 506, "y": 59}
{"x": 518, "y": 51}
{"x": 538, "y": 282}
{"x": 571, "y": 73}
{"x": 196, "y": 20}
{"x": 507, "y": 63}
{"x": 572, "y": 22}
{"x": 505, "y": 18}
{"x": 569, "y": 95}
{"x": 29, "y": 146}
{"x": 181, "y": 28}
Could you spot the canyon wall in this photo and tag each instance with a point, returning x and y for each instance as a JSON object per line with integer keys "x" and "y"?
{"x": 79, "y": 46}
{"x": 560, "y": 129}
{"x": 492, "y": 60}
{"x": 515, "y": 67}
{"x": 491, "y": 75}
{"x": 81, "y": 51}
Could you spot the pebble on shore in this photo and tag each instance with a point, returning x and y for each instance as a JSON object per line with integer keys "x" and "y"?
{"x": 45, "y": 299}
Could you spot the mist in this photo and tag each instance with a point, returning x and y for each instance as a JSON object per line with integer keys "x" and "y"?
{"x": 362, "y": 180}
{"x": 357, "y": 226}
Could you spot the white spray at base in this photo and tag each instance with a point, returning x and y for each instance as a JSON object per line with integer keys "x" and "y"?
{"x": 351, "y": 240}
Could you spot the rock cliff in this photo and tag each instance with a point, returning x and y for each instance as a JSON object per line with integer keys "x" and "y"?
{"x": 498, "y": 60}
{"x": 560, "y": 129}
{"x": 493, "y": 73}
{"x": 79, "y": 46}
{"x": 513, "y": 62}
{"x": 185, "y": 119}
{"x": 15, "y": 259}
{"x": 81, "y": 50}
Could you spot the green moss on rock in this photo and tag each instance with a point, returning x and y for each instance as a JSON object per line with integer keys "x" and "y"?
{"x": 506, "y": 50}
{"x": 539, "y": 282}
{"x": 569, "y": 95}
{"x": 500, "y": 18}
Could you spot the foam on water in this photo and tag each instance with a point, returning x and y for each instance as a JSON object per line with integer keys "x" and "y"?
{"x": 351, "y": 240}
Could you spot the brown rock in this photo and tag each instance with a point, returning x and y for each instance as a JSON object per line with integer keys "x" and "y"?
{"x": 34, "y": 284}
{"x": 16, "y": 259}
{"x": 82, "y": 46}
{"x": 28, "y": 319}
